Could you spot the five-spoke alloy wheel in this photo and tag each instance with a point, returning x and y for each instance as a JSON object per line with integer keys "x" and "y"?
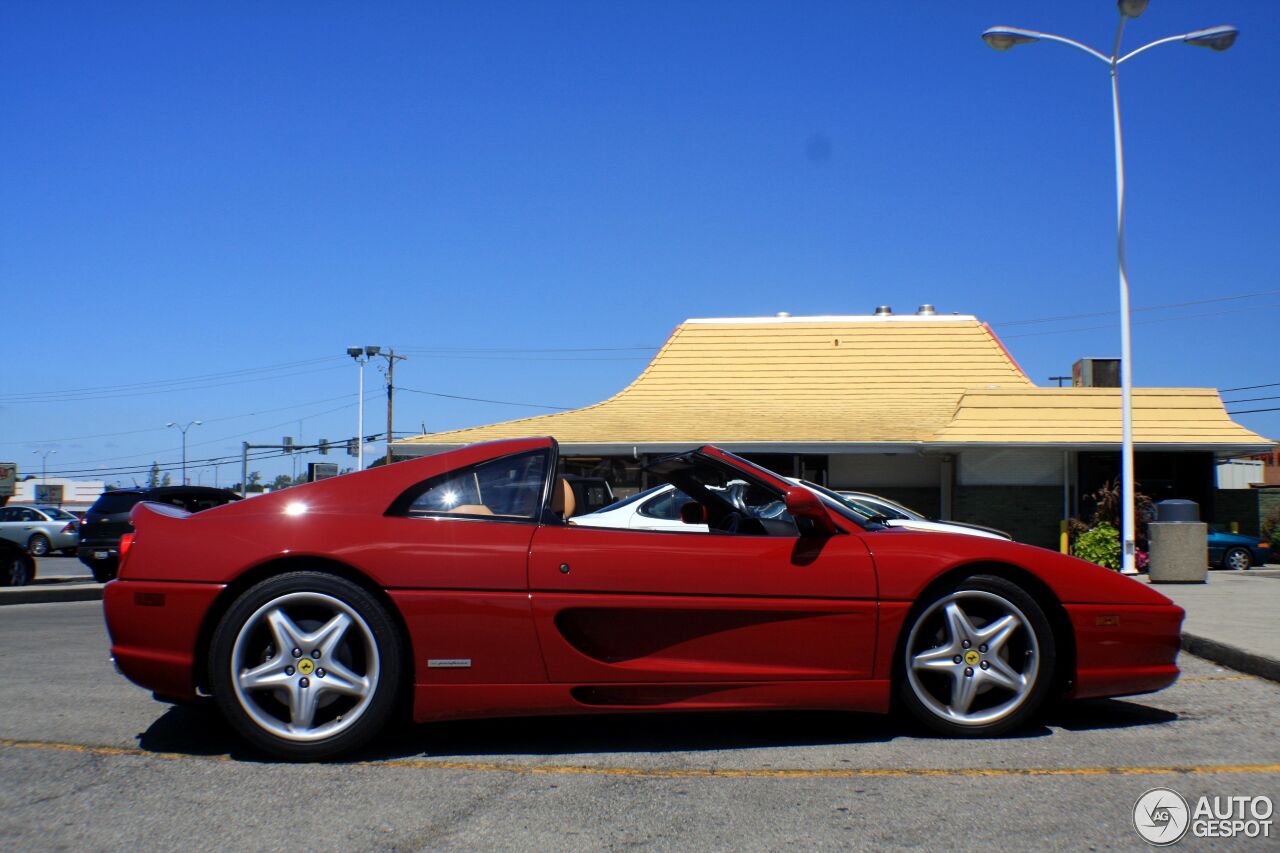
{"x": 305, "y": 665}
{"x": 978, "y": 659}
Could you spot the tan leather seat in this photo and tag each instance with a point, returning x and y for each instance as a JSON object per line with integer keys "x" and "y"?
{"x": 469, "y": 509}
{"x": 562, "y": 500}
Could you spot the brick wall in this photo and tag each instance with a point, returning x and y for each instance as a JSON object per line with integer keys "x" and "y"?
{"x": 1029, "y": 513}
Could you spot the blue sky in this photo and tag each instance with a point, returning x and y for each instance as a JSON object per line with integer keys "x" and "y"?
{"x": 238, "y": 191}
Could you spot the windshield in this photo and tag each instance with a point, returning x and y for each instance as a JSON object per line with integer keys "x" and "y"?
{"x": 876, "y": 505}
{"x": 843, "y": 506}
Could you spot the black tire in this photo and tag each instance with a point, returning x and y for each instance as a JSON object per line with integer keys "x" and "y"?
{"x": 365, "y": 656}
{"x": 1005, "y": 686}
{"x": 103, "y": 570}
{"x": 16, "y": 568}
{"x": 1237, "y": 559}
{"x": 38, "y": 545}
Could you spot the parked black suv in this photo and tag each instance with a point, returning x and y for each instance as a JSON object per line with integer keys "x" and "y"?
{"x": 108, "y": 519}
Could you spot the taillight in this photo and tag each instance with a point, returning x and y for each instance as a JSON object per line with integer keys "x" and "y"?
{"x": 126, "y": 542}
{"x": 70, "y": 528}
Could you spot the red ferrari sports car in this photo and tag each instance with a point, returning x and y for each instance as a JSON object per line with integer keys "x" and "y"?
{"x": 457, "y": 585}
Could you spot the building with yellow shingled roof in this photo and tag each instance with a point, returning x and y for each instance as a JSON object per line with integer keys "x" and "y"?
{"x": 928, "y": 409}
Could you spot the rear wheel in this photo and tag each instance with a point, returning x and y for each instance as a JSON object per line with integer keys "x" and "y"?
{"x": 16, "y": 569}
{"x": 1237, "y": 560}
{"x": 38, "y": 545}
{"x": 978, "y": 659}
{"x": 305, "y": 665}
{"x": 103, "y": 570}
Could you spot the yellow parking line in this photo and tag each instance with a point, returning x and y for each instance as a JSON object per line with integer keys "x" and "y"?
{"x": 697, "y": 772}
{"x": 1217, "y": 678}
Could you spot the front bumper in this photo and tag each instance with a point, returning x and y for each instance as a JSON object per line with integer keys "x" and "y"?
{"x": 1123, "y": 650}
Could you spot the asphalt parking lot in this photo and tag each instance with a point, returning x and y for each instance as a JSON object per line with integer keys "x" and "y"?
{"x": 87, "y": 761}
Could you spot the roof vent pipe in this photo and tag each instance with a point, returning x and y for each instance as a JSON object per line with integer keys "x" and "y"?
{"x": 926, "y": 310}
{"x": 883, "y": 311}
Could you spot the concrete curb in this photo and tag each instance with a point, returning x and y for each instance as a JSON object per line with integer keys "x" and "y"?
{"x": 1232, "y": 656}
{"x": 50, "y": 593}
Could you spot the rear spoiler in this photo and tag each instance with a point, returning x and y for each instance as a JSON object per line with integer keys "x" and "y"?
{"x": 146, "y": 508}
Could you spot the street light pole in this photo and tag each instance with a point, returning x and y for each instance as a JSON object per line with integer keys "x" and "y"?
{"x": 1214, "y": 38}
{"x": 184, "y": 443}
{"x": 361, "y": 356}
{"x": 44, "y": 465}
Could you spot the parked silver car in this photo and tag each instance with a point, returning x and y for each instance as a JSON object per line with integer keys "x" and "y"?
{"x": 39, "y": 529}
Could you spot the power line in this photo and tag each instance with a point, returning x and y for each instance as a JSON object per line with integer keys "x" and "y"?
{"x": 86, "y": 396}
{"x": 1135, "y": 323}
{"x": 1145, "y": 308}
{"x": 482, "y": 400}
{"x": 529, "y": 349}
{"x": 1250, "y": 400}
{"x": 1250, "y": 387}
{"x": 1251, "y": 411}
{"x": 135, "y": 386}
{"x": 160, "y": 429}
{"x": 153, "y": 453}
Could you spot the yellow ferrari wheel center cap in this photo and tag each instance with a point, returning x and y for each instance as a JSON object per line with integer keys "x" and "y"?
{"x": 971, "y": 657}
{"x": 306, "y": 667}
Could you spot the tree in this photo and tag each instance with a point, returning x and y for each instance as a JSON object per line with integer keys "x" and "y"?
{"x": 283, "y": 481}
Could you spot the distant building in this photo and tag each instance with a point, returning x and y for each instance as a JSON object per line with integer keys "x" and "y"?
{"x": 929, "y": 409}
{"x": 72, "y": 495}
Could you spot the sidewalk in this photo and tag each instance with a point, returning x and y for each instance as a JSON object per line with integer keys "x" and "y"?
{"x": 1233, "y": 619}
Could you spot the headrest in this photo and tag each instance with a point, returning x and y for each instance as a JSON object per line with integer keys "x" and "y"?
{"x": 562, "y": 499}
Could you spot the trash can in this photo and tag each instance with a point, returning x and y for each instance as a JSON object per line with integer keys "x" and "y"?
{"x": 1179, "y": 543}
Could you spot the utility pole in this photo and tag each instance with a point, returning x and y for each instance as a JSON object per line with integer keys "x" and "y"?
{"x": 391, "y": 358}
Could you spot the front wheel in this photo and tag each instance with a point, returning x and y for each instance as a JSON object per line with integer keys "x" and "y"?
{"x": 38, "y": 545}
{"x": 978, "y": 660}
{"x": 1237, "y": 560}
{"x": 305, "y": 666}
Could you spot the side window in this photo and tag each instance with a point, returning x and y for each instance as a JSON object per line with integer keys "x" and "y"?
{"x": 665, "y": 506}
{"x": 28, "y": 515}
{"x": 508, "y": 489}
{"x": 7, "y": 514}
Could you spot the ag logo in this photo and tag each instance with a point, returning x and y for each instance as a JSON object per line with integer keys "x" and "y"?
{"x": 1161, "y": 816}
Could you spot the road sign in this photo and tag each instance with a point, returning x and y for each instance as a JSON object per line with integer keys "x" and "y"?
{"x": 321, "y": 471}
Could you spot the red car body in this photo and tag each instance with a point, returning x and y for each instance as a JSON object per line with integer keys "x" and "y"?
{"x": 554, "y": 618}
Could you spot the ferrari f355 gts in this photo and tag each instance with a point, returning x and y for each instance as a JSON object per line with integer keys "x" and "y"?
{"x": 458, "y": 585}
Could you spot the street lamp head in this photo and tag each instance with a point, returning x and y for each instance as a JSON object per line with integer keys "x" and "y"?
{"x": 198, "y": 423}
{"x": 1214, "y": 38}
{"x": 1132, "y": 8}
{"x": 1003, "y": 38}
{"x": 170, "y": 423}
{"x": 355, "y": 352}
{"x": 372, "y": 351}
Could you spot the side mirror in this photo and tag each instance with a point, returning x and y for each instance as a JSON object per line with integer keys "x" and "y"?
{"x": 693, "y": 513}
{"x": 810, "y": 515}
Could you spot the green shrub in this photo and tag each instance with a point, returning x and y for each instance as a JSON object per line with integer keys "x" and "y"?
{"x": 1099, "y": 544}
{"x": 1271, "y": 531}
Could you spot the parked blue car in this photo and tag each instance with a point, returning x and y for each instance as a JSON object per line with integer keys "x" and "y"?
{"x": 1236, "y": 552}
